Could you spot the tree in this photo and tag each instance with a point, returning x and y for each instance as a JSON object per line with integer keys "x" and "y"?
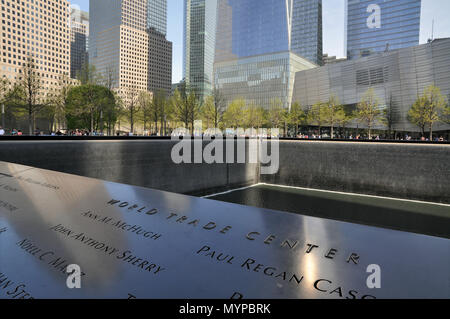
{"x": 367, "y": 111}
{"x": 85, "y": 103}
{"x": 333, "y": 113}
{"x": 161, "y": 104}
{"x": 234, "y": 115}
{"x": 131, "y": 105}
{"x": 180, "y": 108}
{"x": 446, "y": 114}
{"x": 146, "y": 105}
{"x": 296, "y": 116}
{"x": 193, "y": 107}
{"x": 88, "y": 75}
{"x": 31, "y": 88}
{"x": 5, "y": 86}
{"x": 277, "y": 114}
{"x": 427, "y": 109}
{"x": 109, "y": 77}
{"x": 389, "y": 116}
{"x": 254, "y": 116}
{"x": 111, "y": 111}
{"x": 214, "y": 108}
{"x": 316, "y": 115}
{"x": 56, "y": 104}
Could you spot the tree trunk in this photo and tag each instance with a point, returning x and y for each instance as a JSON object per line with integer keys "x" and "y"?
{"x": 30, "y": 122}
{"x": 332, "y": 131}
{"x": 431, "y": 132}
{"x": 92, "y": 122}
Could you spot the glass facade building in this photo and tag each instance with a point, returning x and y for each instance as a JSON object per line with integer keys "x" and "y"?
{"x": 397, "y": 77}
{"x": 261, "y": 44}
{"x": 255, "y": 27}
{"x": 306, "y": 30}
{"x": 260, "y": 79}
{"x": 381, "y": 25}
{"x": 157, "y": 15}
{"x": 199, "y": 44}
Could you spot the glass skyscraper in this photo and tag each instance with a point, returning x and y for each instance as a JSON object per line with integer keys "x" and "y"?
{"x": 199, "y": 44}
{"x": 157, "y": 15}
{"x": 381, "y": 25}
{"x": 261, "y": 44}
{"x": 253, "y": 27}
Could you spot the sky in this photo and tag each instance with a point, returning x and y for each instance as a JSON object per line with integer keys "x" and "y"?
{"x": 333, "y": 26}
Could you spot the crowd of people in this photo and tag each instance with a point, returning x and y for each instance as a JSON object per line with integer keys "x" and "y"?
{"x": 314, "y": 135}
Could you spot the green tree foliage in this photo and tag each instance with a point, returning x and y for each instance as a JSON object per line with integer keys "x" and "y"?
{"x": 446, "y": 114}
{"x": 428, "y": 109}
{"x": 31, "y": 88}
{"x": 389, "y": 116}
{"x": 85, "y": 105}
{"x": 179, "y": 105}
{"x": 255, "y": 116}
{"x": 213, "y": 109}
{"x": 185, "y": 106}
{"x": 56, "y": 104}
{"x": 368, "y": 111}
{"x": 5, "y": 87}
{"x": 145, "y": 101}
{"x": 277, "y": 115}
{"x": 297, "y": 116}
{"x": 333, "y": 112}
{"x": 234, "y": 115}
{"x": 88, "y": 75}
{"x": 317, "y": 115}
{"x": 161, "y": 103}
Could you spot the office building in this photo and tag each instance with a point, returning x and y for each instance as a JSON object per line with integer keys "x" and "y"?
{"x": 119, "y": 44}
{"x": 326, "y": 59}
{"x": 260, "y": 79}
{"x": 381, "y": 25}
{"x": 157, "y": 16}
{"x": 260, "y": 45}
{"x": 159, "y": 62}
{"x": 199, "y": 44}
{"x": 128, "y": 46}
{"x": 79, "y": 33}
{"x": 37, "y": 30}
{"x": 254, "y": 27}
{"x": 398, "y": 77}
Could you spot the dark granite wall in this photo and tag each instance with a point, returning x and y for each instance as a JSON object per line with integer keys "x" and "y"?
{"x": 145, "y": 163}
{"x": 412, "y": 171}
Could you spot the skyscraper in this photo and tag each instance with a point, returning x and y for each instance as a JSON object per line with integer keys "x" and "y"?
{"x": 199, "y": 44}
{"x": 381, "y": 25}
{"x": 253, "y": 27}
{"x": 36, "y": 30}
{"x": 306, "y": 33}
{"x": 159, "y": 62}
{"x": 260, "y": 44}
{"x": 119, "y": 44}
{"x": 79, "y": 33}
{"x": 157, "y": 16}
